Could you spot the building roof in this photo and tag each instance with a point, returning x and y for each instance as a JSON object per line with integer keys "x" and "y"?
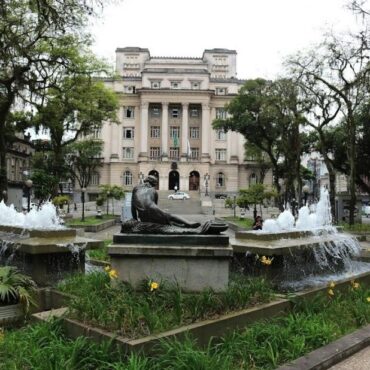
{"x": 220, "y": 50}
{"x": 133, "y": 49}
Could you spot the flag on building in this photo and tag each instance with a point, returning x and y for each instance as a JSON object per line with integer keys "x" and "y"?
{"x": 189, "y": 149}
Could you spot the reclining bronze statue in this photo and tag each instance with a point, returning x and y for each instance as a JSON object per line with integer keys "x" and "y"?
{"x": 148, "y": 218}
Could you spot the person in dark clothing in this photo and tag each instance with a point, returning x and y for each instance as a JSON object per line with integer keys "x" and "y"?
{"x": 258, "y": 222}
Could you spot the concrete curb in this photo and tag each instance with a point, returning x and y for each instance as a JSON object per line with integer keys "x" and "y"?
{"x": 331, "y": 354}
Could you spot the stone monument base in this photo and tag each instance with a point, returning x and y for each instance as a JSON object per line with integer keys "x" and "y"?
{"x": 194, "y": 262}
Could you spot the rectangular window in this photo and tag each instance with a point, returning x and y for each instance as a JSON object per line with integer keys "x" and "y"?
{"x": 221, "y": 135}
{"x": 220, "y": 154}
{"x": 195, "y": 85}
{"x": 128, "y": 132}
{"x": 129, "y": 89}
{"x": 155, "y": 112}
{"x": 175, "y": 112}
{"x": 155, "y": 132}
{"x": 128, "y": 112}
{"x": 154, "y": 152}
{"x": 220, "y": 113}
{"x": 194, "y": 132}
{"x": 95, "y": 179}
{"x": 194, "y": 112}
{"x": 128, "y": 153}
{"x": 155, "y": 84}
{"x": 221, "y": 91}
{"x": 174, "y": 153}
{"x": 174, "y": 132}
{"x": 96, "y": 134}
{"x": 175, "y": 85}
{"x": 194, "y": 153}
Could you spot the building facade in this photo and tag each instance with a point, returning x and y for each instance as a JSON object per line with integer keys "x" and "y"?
{"x": 167, "y": 105}
{"x": 18, "y": 158}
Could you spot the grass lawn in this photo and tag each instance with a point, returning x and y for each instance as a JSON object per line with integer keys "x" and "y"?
{"x": 158, "y": 307}
{"x": 356, "y": 228}
{"x": 246, "y": 223}
{"x": 263, "y": 345}
{"x": 100, "y": 254}
{"x": 91, "y": 220}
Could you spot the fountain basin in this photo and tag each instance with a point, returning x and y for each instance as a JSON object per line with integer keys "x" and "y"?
{"x": 46, "y": 255}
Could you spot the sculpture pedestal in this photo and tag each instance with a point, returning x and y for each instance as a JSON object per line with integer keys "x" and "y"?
{"x": 194, "y": 262}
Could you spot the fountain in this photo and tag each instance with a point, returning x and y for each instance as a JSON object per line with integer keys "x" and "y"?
{"x": 301, "y": 252}
{"x": 40, "y": 245}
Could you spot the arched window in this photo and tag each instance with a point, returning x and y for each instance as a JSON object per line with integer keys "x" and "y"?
{"x": 127, "y": 178}
{"x": 220, "y": 180}
{"x": 252, "y": 179}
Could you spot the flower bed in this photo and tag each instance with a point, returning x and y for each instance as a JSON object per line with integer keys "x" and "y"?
{"x": 157, "y": 307}
{"x": 314, "y": 321}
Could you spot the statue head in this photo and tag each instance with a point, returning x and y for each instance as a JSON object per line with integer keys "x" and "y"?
{"x": 152, "y": 180}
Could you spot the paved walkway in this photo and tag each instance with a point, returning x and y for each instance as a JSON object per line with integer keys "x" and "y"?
{"x": 358, "y": 361}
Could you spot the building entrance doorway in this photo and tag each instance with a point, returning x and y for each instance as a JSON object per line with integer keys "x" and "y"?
{"x": 194, "y": 180}
{"x": 155, "y": 174}
{"x": 173, "y": 180}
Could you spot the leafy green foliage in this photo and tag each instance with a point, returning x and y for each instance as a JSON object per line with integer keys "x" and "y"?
{"x": 255, "y": 194}
{"x": 130, "y": 313}
{"x": 100, "y": 254}
{"x": 16, "y": 287}
{"x": 61, "y": 200}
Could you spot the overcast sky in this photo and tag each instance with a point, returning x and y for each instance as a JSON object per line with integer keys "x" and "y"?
{"x": 262, "y": 32}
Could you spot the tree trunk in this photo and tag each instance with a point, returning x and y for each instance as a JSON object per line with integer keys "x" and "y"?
{"x": 352, "y": 166}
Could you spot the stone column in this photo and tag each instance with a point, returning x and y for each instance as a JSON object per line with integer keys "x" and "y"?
{"x": 164, "y": 132}
{"x": 144, "y": 131}
{"x": 206, "y": 130}
{"x": 184, "y": 132}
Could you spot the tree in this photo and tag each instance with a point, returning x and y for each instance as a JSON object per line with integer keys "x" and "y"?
{"x": 38, "y": 41}
{"x": 111, "y": 192}
{"x": 268, "y": 114}
{"x": 340, "y": 67}
{"x": 78, "y": 107}
{"x": 83, "y": 160}
{"x": 255, "y": 194}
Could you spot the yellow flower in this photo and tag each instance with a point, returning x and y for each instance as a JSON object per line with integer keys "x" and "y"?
{"x": 266, "y": 261}
{"x": 331, "y": 285}
{"x": 2, "y": 335}
{"x": 113, "y": 274}
{"x": 107, "y": 268}
{"x": 368, "y": 299}
{"x": 154, "y": 286}
{"x": 355, "y": 285}
{"x": 331, "y": 292}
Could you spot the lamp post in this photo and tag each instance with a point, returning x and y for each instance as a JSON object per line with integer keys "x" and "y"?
{"x": 29, "y": 184}
{"x": 206, "y": 179}
{"x": 108, "y": 194}
{"x": 306, "y": 190}
{"x": 83, "y": 190}
{"x": 234, "y": 206}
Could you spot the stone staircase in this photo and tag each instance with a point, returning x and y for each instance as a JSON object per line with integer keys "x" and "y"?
{"x": 190, "y": 206}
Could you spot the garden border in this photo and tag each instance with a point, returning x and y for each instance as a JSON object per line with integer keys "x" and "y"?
{"x": 202, "y": 331}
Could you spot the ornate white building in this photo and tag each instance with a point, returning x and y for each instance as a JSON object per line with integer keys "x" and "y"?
{"x": 167, "y": 105}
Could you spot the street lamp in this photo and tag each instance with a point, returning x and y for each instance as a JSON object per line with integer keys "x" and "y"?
{"x": 306, "y": 190}
{"x": 29, "y": 184}
{"x": 206, "y": 179}
{"x": 108, "y": 194}
{"x": 83, "y": 190}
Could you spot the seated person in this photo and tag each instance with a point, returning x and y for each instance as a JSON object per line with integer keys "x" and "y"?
{"x": 258, "y": 222}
